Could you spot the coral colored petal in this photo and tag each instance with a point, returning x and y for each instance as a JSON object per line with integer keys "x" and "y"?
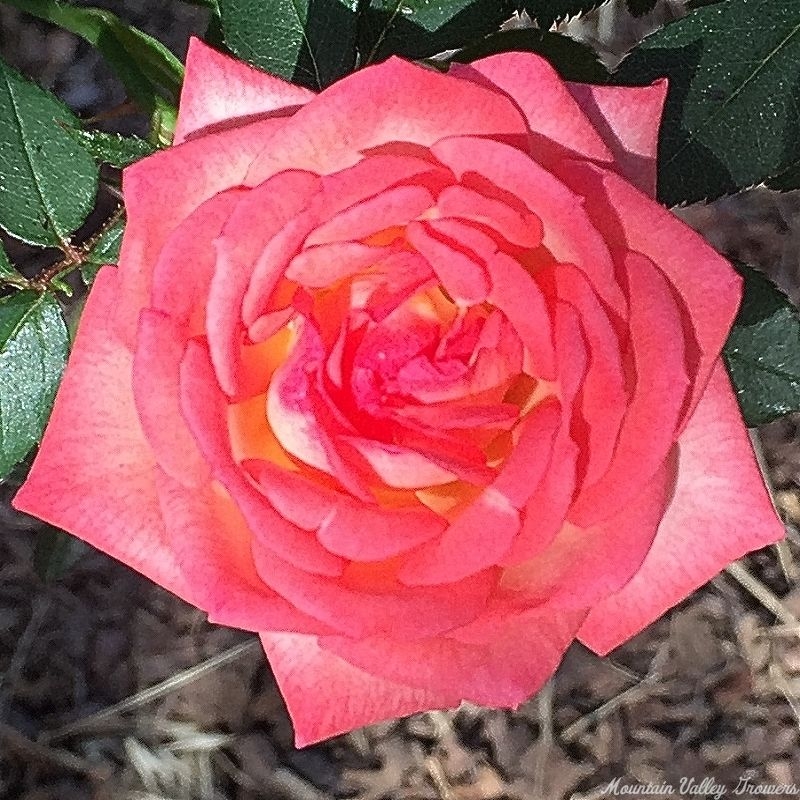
{"x": 569, "y": 234}
{"x": 603, "y": 397}
{"x": 408, "y": 612}
{"x": 352, "y": 697}
{"x": 163, "y": 190}
{"x": 357, "y": 113}
{"x": 301, "y": 501}
{"x": 519, "y": 297}
{"x": 524, "y": 230}
{"x": 720, "y": 510}
{"x": 649, "y": 427}
{"x": 204, "y": 407}
{"x": 156, "y": 368}
{"x": 504, "y": 669}
{"x": 543, "y": 97}
{"x": 525, "y": 466}
{"x": 374, "y": 175}
{"x": 390, "y": 208}
{"x": 219, "y": 90}
{"x": 710, "y": 291}
{"x": 263, "y": 211}
{"x": 364, "y": 534}
{"x": 400, "y": 467}
{"x": 182, "y": 293}
{"x": 547, "y": 507}
{"x": 326, "y": 264}
{"x": 583, "y": 566}
{"x": 462, "y": 277}
{"x": 212, "y": 543}
{"x": 628, "y": 119}
{"x": 95, "y": 475}
{"x": 478, "y": 538}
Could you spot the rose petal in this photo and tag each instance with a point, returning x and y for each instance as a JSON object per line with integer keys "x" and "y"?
{"x": 218, "y": 91}
{"x": 709, "y": 292}
{"x": 159, "y": 350}
{"x": 569, "y": 233}
{"x": 163, "y": 190}
{"x": 204, "y": 408}
{"x": 524, "y": 230}
{"x": 405, "y": 612}
{"x": 649, "y": 426}
{"x": 720, "y": 511}
{"x": 504, "y": 668}
{"x": 520, "y": 298}
{"x": 478, "y": 538}
{"x": 265, "y": 211}
{"x": 366, "y": 534}
{"x": 462, "y": 277}
{"x": 357, "y": 114}
{"x": 390, "y": 208}
{"x": 628, "y": 119}
{"x": 543, "y": 97}
{"x": 95, "y": 475}
{"x": 352, "y": 697}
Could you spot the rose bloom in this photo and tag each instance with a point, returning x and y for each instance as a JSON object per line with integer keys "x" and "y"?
{"x": 412, "y": 377}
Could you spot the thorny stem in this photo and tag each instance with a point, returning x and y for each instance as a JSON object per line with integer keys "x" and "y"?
{"x": 74, "y": 257}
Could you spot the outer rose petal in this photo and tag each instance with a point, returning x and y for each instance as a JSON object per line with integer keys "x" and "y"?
{"x": 720, "y": 511}
{"x": 544, "y": 99}
{"x": 494, "y": 662}
{"x": 628, "y": 119}
{"x": 710, "y": 291}
{"x": 163, "y": 190}
{"x": 352, "y": 697}
{"x": 218, "y": 91}
{"x": 95, "y": 475}
{"x": 358, "y": 114}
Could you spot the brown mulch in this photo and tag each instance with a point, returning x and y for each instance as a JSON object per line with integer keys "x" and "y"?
{"x": 710, "y": 692}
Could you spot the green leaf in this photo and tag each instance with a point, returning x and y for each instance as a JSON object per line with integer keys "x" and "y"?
{"x": 47, "y": 181}
{"x": 546, "y": 12}
{"x": 151, "y": 74}
{"x": 732, "y": 117}
{"x": 33, "y": 352}
{"x": 763, "y": 351}
{"x": 423, "y": 28}
{"x": 112, "y": 148}
{"x": 310, "y": 42}
{"x": 574, "y": 60}
{"x": 104, "y": 250}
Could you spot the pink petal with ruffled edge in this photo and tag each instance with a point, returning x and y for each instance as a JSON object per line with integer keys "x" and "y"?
{"x": 628, "y": 119}
{"x": 568, "y": 231}
{"x": 219, "y": 90}
{"x": 503, "y": 663}
{"x": 720, "y": 510}
{"x": 709, "y": 292}
{"x": 264, "y": 212}
{"x": 357, "y": 114}
{"x": 352, "y": 697}
{"x": 543, "y": 97}
{"x": 649, "y": 427}
{"x": 95, "y": 474}
{"x": 163, "y": 190}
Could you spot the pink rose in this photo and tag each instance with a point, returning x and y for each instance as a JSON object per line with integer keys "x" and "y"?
{"x": 413, "y": 377}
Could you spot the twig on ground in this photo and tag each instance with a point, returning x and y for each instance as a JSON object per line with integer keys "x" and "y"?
{"x": 762, "y": 593}
{"x": 171, "y": 684}
{"x": 544, "y": 708}
{"x": 630, "y": 695}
